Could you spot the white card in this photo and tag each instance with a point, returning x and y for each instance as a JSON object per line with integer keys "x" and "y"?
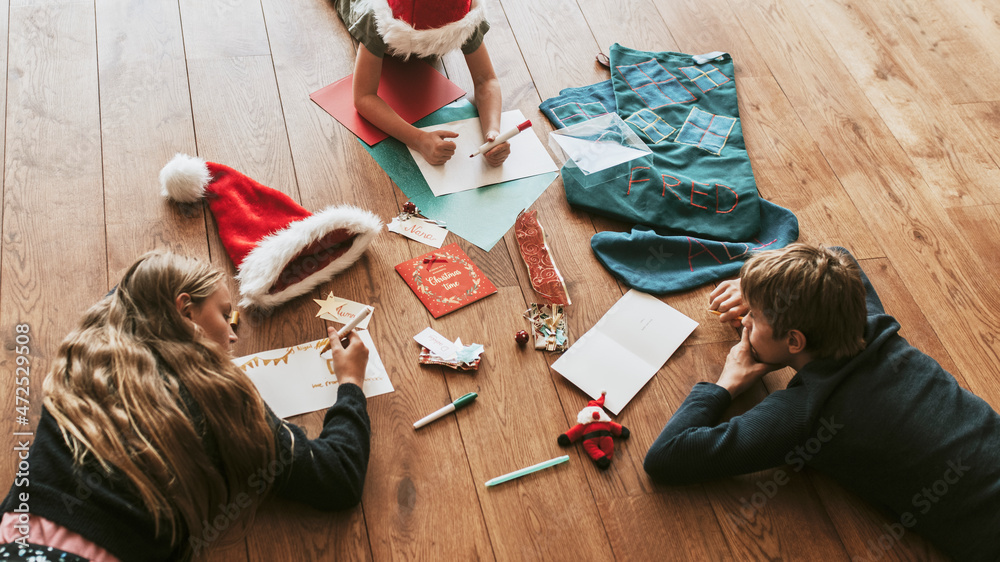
{"x": 421, "y": 230}
{"x": 437, "y": 344}
{"x": 336, "y": 309}
{"x": 296, "y": 380}
{"x": 527, "y": 157}
{"x": 626, "y": 347}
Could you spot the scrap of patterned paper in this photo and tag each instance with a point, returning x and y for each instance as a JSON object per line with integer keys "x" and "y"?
{"x": 445, "y": 280}
{"x": 466, "y": 357}
{"x": 545, "y": 276}
{"x": 548, "y": 324}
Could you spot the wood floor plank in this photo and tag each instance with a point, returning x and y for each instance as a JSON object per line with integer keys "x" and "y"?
{"x": 592, "y": 289}
{"x": 702, "y": 28}
{"x": 224, "y": 28}
{"x": 636, "y": 24}
{"x": 239, "y": 122}
{"x": 913, "y": 229}
{"x": 957, "y": 39}
{"x": 665, "y": 534}
{"x": 867, "y": 36}
{"x": 556, "y": 56}
{"x": 981, "y": 228}
{"x": 246, "y": 130}
{"x": 983, "y": 122}
{"x": 792, "y": 172}
{"x": 52, "y": 179}
{"x": 867, "y": 533}
{"x": 145, "y": 119}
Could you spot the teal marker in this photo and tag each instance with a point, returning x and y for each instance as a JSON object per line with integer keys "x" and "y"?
{"x": 529, "y": 470}
{"x": 463, "y": 401}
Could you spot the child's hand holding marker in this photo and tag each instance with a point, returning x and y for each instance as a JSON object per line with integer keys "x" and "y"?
{"x": 726, "y": 301}
{"x": 497, "y": 149}
{"x": 499, "y": 152}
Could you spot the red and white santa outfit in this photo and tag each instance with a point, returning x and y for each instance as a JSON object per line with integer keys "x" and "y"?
{"x": 422, "y": 28}
{"x": 596, "y": 429}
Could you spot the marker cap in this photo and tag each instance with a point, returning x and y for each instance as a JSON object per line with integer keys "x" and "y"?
{"x": 465, "y": 400}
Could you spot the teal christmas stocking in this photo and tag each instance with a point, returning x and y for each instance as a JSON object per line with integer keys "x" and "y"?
{"x": 695, "y": 199}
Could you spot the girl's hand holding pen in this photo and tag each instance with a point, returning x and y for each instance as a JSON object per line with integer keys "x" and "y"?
{"x": 349, "y": 362}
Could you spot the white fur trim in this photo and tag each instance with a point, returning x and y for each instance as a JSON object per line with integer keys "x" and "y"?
{"x": 184, "y": 178}
{"x": 586, "y": 415}
{"x": 265, "y": 263}
{"x": 402, "y": 40}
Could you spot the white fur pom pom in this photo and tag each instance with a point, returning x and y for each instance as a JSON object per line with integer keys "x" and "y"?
{"x": 184, "y": 178}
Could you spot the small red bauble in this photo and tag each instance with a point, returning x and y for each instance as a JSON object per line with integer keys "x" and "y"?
{"x": 521, "y": 337}
{"x": 410, "y": 207}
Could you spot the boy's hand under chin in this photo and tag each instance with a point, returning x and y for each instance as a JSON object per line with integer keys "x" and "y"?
{"x": 742, "y": 369}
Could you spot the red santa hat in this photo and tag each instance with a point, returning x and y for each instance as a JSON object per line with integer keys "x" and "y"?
{"x": 426, "y": 28}
{"x": 280, "y": 250}
{"x": 594, "y": 412}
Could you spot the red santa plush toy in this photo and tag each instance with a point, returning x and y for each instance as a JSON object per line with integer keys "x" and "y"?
{"x": 596, "y": 429}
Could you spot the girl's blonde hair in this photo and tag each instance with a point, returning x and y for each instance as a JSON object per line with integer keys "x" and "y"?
{"x": 140, "y": 390}
{"x": 813, "y": 289}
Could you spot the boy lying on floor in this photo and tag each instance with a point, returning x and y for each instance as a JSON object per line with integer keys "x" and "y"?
{"x": 865, "y": 407}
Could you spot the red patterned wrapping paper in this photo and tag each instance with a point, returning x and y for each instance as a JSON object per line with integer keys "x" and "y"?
{"x": 545, "y": 276}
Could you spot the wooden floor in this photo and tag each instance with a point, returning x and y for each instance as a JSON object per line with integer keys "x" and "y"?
{"x": 876, "y": 121}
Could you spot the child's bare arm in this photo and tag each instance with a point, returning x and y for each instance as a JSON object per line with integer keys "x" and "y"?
{"x": 489, "y": 101}
{"x": 433, "y": 146}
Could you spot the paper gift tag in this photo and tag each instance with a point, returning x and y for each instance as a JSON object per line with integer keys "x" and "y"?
{"x": 336, "y": 309}
{"x": 437, "y": 344}
{"x": 421, "y": 230}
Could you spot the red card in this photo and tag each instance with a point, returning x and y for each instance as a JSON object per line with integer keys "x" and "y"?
{"x": 412, "y": 88}
{"x": 445, "y": 280}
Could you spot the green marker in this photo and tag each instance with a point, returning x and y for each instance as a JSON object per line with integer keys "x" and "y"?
{"x": 529, "y": 470}
{"x": 463, "y": 401}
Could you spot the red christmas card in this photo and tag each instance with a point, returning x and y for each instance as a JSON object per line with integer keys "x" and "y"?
{"x": 445, "y": 280}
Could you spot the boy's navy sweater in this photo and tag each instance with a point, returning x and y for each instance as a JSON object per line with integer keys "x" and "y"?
{"x": 327, "y": 473}
{"x": 888, "y": 423}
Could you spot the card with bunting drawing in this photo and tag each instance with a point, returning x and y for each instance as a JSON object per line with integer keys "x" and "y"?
{"x": 445, "y": 280}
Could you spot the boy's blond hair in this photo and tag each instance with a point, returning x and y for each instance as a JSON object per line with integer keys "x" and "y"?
{"x": 813, "y": 289}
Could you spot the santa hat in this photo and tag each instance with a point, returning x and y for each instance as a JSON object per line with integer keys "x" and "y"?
{"x": 594, "y": 412}
{"x": 426, "y": 28}
{"x": 280, "y": 250}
